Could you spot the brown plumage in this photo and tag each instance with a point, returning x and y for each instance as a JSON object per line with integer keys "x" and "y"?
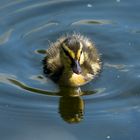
{"x": 72, "y": 61}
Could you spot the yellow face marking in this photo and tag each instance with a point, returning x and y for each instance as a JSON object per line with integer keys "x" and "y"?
{"x": 71, "y": 53}
{"x": 78, "y": 54}
{"x": 82, "y": 58}
{"x": 79, "y": 51}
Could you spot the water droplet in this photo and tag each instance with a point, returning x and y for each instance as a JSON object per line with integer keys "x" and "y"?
{"x": 118, "y": 76}
{"x": 89, "y": 5}
{"x": 108, "y": 137}
{"x": 118, "y": 0}
{"x": 6, "y": 105}
{"x": 129, "y": 43}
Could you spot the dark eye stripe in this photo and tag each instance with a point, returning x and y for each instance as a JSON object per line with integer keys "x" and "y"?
{"x": 67, "y": 53}
{"x": 80, "y": 56}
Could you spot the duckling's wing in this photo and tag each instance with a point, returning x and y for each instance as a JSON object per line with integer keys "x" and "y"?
{"x": 92, "y": 60}
{"x": 52, "y": 64}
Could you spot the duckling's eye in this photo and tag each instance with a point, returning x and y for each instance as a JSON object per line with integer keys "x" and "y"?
{"x": 81, "y": 52}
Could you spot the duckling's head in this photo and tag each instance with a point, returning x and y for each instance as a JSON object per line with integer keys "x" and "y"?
{"x": 72, "y": 54}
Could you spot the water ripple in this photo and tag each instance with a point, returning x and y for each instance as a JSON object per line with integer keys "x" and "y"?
{"x": 42, "y": 27}
{"x": 4, "y": 38}
{"x": 10, "y": 79}
{"x": 92, "y": 21}
{"x": 27, "y": 25}
{"x": 11, "y": 4}
{"x": 42, "y": 4}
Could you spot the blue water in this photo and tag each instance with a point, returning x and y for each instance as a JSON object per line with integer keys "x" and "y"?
{"x": 31, "y": 105}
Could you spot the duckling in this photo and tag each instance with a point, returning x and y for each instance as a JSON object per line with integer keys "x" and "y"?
{"x": 72, "y": 61}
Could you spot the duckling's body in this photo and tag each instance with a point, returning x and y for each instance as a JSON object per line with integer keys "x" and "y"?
{"x": 72, "y": 61}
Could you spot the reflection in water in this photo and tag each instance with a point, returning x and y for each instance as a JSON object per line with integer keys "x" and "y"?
{"x": 71, "y": 109}
{"x": 71, "y": 105}
{"x": 62, "y": 91}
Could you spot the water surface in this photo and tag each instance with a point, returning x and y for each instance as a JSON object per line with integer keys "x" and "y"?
{"x": 32, "y": 107}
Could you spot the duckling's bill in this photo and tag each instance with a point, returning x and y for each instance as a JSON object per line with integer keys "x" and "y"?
{"x": 76, "y": 68}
